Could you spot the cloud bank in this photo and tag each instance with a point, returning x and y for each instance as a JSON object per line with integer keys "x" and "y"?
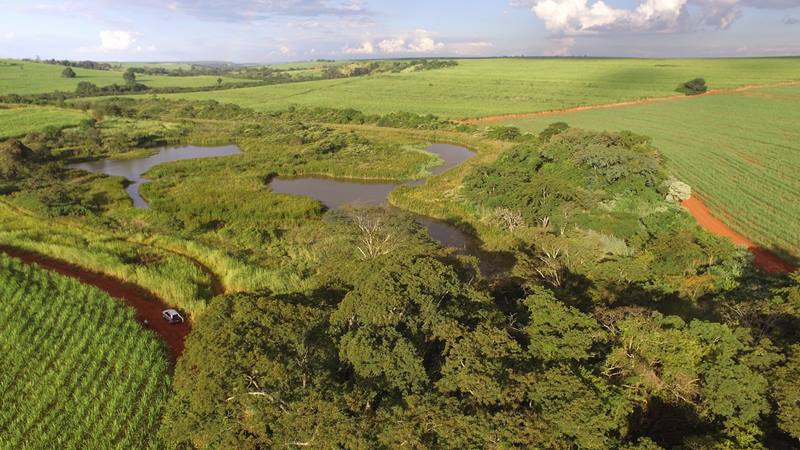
{"x": 586, "y": 17}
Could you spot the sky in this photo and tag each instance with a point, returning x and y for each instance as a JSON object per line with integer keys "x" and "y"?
{"x": 258, "y": 31}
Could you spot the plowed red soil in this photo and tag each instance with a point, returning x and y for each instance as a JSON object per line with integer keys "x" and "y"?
{"x": 148, "y": 307}
{"x": 764, "y": 259}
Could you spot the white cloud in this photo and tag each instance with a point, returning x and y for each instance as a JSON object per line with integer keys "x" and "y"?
{"x": 422, "y": 42}
{"x": 366, "y": 49}
{"x": 117, "y": 40}
{"x": 7, "y": 36}
{"x": 285, "y": 50}
{"x": 395, "y": 45}
{"x": 580, "y": 17}
{"x": 419, "y": 41}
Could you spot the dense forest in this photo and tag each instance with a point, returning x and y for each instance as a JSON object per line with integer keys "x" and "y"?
{"x": 608, "y": 320}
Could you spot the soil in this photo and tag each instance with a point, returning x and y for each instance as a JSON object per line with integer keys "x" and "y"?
{"x": 488, "y": 120}
{"x": 764, "y": 259}
{"x": 148, "y": 307}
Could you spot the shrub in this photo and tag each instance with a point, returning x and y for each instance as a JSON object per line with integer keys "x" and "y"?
{"x": 68, "y": 73}
{"x": 552, "y": 130}
{"x": 693, "y": 87}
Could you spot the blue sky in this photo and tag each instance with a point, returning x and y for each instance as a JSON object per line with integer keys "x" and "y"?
{"x": 291, "y": 30}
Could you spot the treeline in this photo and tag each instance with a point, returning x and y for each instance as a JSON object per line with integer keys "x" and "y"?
{"x": 78, "y": 64}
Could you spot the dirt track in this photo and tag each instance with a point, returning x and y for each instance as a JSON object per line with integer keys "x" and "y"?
{"x": 764, "y": 259}
{"x": 488, "y": 120}
{"x": 147, "y": 306}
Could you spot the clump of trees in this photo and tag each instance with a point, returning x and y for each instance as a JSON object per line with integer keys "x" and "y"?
{"x": 68, "y": 73}
{"x": 696, "y": 86}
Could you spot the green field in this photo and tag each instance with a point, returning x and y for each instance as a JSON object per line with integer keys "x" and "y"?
{"x": 78, "y": 370}
{"x": 19, "y": 121}
{"x": 484, "y": 87}
{"x": 25, "y": 77}
{"x": 740, "y": 151}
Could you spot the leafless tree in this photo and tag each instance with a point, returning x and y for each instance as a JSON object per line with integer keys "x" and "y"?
{"x": 374, "y": 237}
{"x": 508, "y": 218}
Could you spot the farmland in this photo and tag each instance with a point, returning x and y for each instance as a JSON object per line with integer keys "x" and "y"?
{"x": 478, "y": 88}
{"x": 579, "y": 294}
{"x": 26, "y": 77}
{"x": 78, "y": 370}
{"x": 17, "y": 121}
{"x": 739, "y": 151}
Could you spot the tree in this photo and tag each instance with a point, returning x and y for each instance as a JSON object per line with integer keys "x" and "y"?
{"x": 391, "y": 329}
{"x": 696, "y": 86}
{"x": 68, "y": 73}
{"x": 86, "y": 88}
{"x": 219, "y": 81}
{"x": 129, "y": 76}
{"x": 558, "y": 332}
{"x": 786, "y": 392}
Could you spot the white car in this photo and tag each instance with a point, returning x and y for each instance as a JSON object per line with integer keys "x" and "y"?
{"x": 172, "y": 316}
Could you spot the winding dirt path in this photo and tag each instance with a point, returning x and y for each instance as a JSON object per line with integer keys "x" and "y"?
{"x": 489, "y": 120}
{"x": 764, "y": 259}
{"x": 148, "y": 307}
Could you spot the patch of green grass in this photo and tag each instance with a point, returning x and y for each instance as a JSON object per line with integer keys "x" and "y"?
{"x": 25, "y": 77}
{"x": 78, "y": 370}
{"x": 484, "y": 87}
{"x": 18, "y": 121}
{"x": 740, "y": 151}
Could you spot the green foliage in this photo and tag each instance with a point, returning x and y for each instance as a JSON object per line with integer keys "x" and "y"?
{"x": 715, "y": 157}
{"x": 558, "y": 332}
{"x": 787, "y": 395}
{"x": 78, "y": 370}
{"x": 68, "y": 73}
{"x": 399, "y": 316}
{"x": 503, "y": 133}
{"x": 695, "y": 86}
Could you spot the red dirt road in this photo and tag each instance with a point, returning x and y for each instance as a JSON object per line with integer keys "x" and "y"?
{"x": 764, "y": 259}
{"x": 489, "y": 120}
{"x": 147, "y": 306}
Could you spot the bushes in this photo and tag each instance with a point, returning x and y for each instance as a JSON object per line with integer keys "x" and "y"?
{"x": 68, "y": 73}
{"x": 696, "y": 86}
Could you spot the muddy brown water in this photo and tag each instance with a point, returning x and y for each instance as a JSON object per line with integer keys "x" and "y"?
{"x": 134, "y": 169}
{"x": 333, "y": 193}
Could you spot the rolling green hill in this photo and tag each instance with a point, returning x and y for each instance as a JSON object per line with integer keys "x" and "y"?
{"x": 26, "y": 77}
{"x": 477, "y": 88}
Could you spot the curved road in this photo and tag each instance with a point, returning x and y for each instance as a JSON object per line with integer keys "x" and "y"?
{"x": 148, "y": 307}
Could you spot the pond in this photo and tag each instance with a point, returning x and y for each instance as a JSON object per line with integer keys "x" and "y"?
{"x": 133, "y": 169}
{"x": 334, "y": 193}
{"x": 330, "y": 192}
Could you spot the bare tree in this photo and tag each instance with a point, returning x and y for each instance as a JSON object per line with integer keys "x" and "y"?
{"x": 375, "y": 239}
{"x": 508, "y": 218}
{"x": 551, "y": 266}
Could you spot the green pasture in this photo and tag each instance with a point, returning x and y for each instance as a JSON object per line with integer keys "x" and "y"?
{"x": 17, "y": 121}
{"x": 25, "y": 77}
{"x": 483, "y": 87}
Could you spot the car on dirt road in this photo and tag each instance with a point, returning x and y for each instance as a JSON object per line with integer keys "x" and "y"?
{"x": 172, "y": 316}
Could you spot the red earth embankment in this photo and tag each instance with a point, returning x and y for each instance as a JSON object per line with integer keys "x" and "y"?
{"x": 148, "y": 307}
{"x": 764, "y": 259}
